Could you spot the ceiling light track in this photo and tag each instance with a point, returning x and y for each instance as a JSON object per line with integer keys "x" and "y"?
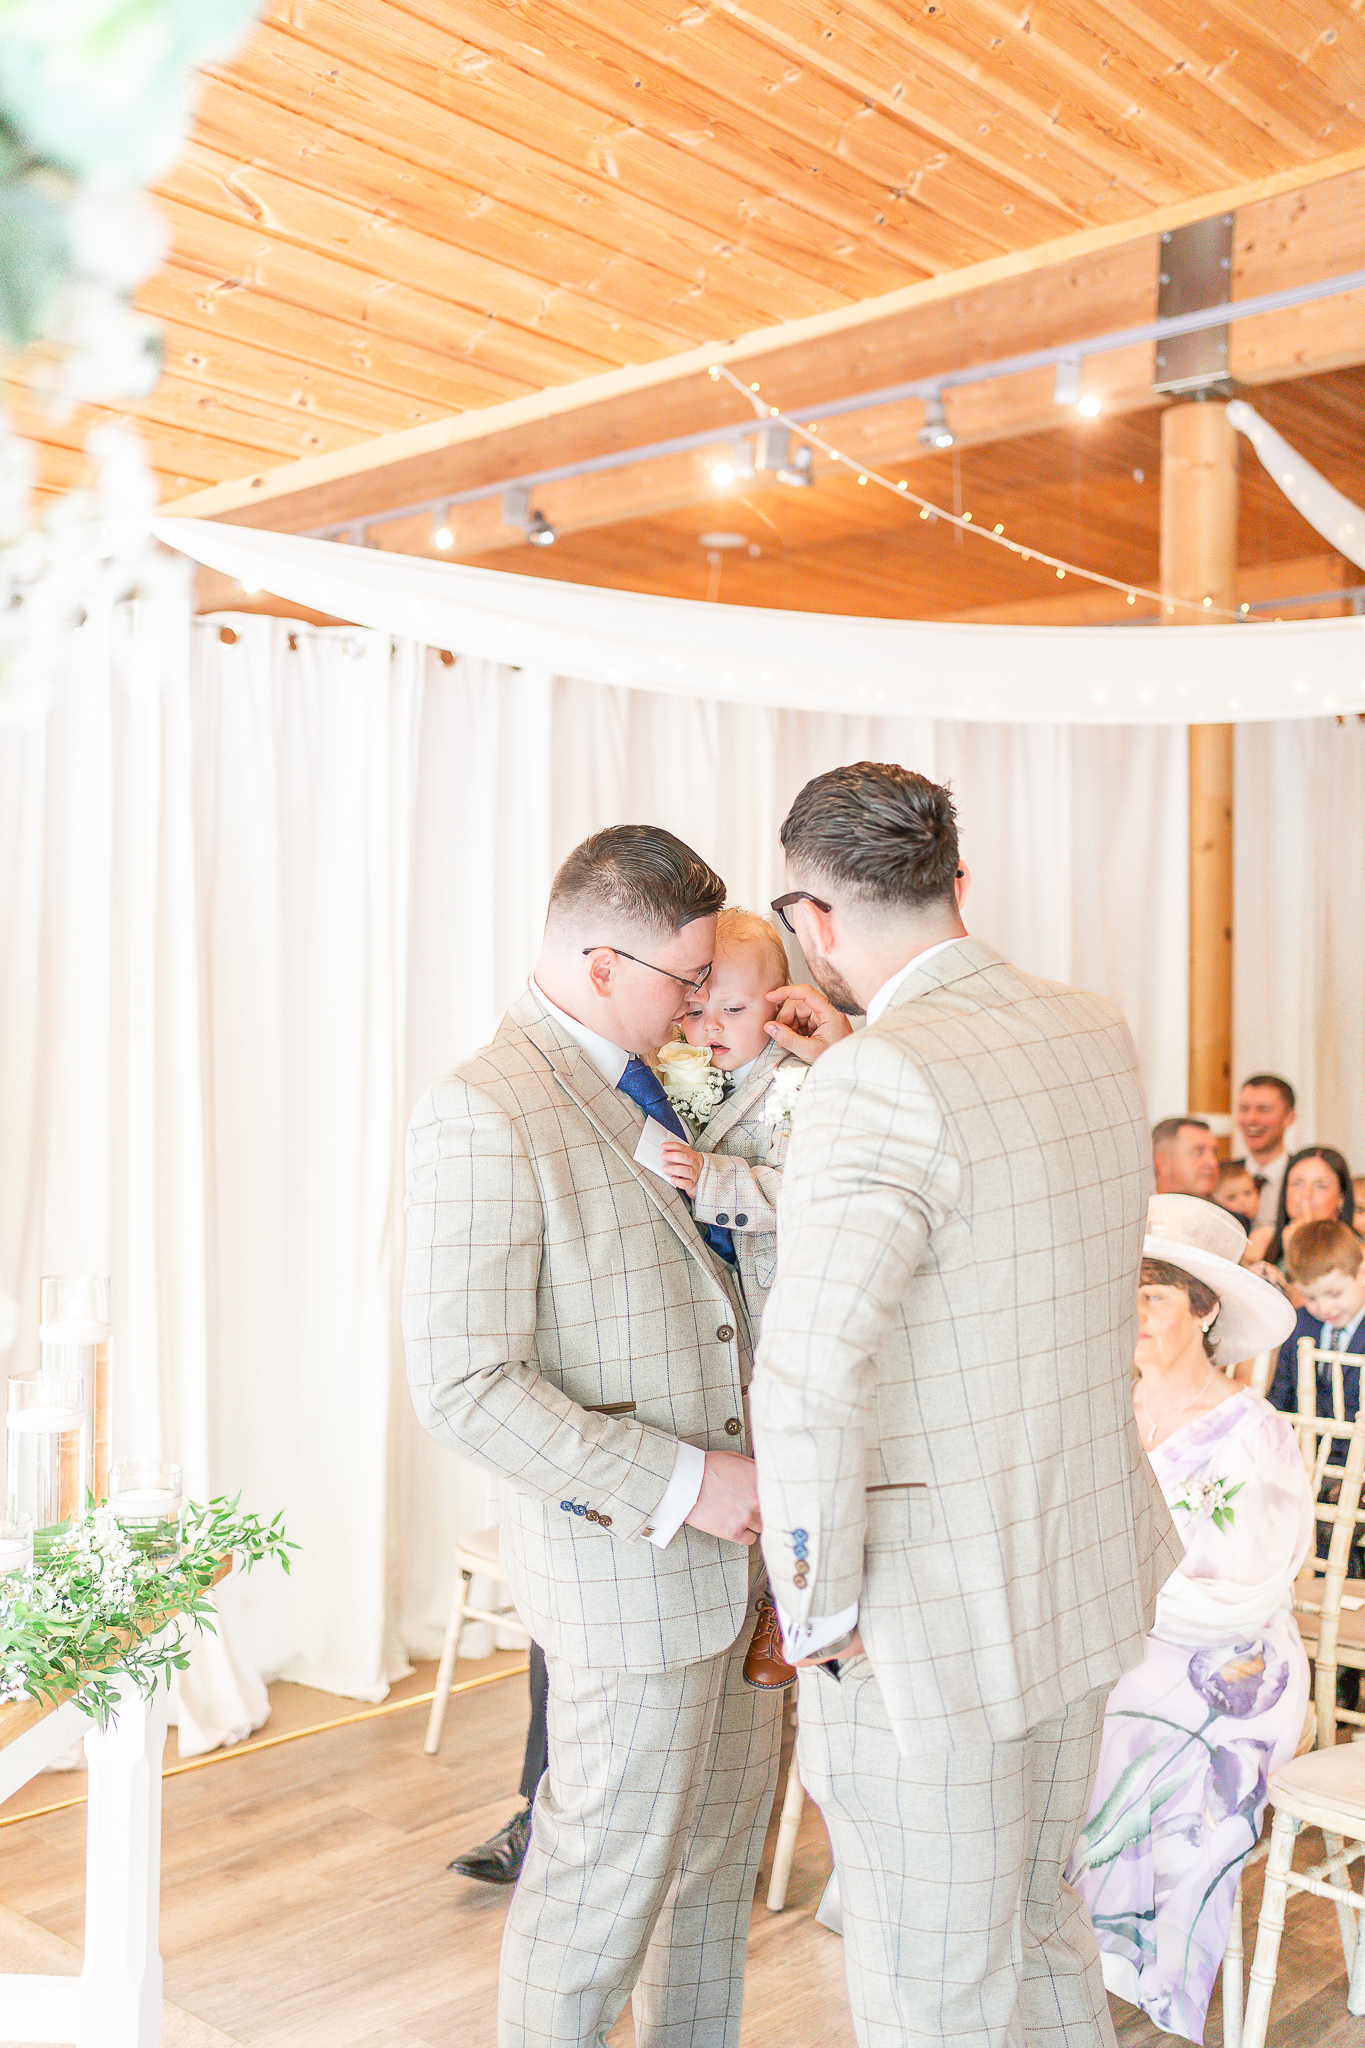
{"x": 738, "y": 441}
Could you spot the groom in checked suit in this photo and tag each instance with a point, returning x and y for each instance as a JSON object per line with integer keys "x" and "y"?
{"x": 570, "y": 1323}
{"x": 963, "y": 1535}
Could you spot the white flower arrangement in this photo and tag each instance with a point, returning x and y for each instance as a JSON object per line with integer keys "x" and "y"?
{"x": 693, "y": 1086}
{"x": 1211, "y": 1498}
{"x": 783, "y": 1090}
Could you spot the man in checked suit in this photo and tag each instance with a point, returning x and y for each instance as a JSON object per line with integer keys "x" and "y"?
{"x": 571, "y": 1323}
{"x": 964, "y": 1538}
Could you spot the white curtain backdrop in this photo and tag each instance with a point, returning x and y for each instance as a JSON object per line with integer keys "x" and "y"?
{"x": 256, "y": 891}
{"x": 1299, "y": 958}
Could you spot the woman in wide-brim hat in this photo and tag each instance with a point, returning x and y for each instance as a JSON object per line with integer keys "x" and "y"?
{"x": 1191, "y": 1736}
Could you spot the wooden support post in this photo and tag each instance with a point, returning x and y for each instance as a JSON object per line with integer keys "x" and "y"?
{"x": 1199, "y": 561}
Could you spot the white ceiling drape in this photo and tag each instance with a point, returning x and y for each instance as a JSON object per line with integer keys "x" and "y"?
{"x": 808, "y": 661}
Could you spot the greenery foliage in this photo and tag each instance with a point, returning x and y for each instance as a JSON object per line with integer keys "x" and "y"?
{"x": 96, "y": 1606}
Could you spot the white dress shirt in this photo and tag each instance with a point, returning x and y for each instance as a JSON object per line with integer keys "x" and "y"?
{"x": 808, "y": 1638}
{"x": 689, "y": 1467}
{"x": 1337, "y": 1336}
{"x": 1268, "y": 1203}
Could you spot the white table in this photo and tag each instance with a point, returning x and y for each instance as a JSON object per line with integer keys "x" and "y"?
{"x": 116, "y": 2000}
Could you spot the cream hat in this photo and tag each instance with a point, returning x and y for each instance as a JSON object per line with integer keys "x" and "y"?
{"x": 1205, "y": 1242}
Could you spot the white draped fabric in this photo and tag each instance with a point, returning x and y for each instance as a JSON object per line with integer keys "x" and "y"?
{"x": 808, "y": 661}
{"x": 1299, "y": 1008}
{"x": 255, "y": 893}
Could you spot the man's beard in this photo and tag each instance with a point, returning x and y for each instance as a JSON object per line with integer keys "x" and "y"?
{"x": 832, "y": 986}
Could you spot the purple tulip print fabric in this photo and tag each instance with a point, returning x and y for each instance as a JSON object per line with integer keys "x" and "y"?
{"x": 1192, "y": 1735}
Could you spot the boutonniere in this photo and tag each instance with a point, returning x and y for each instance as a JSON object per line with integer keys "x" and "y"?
{"x": 783, "y": 1090}
{"x": 1211, "y": 1497}
{"x": 693, "y": 1086}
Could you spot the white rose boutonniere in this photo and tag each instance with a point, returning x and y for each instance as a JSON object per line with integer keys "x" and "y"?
{"x": 691, "y": 1083}
{"x": 783, "y": 1090}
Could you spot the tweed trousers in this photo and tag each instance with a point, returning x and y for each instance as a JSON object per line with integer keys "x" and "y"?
{"x": 646, "y": 1835}
{"x": 957, "y": 1924}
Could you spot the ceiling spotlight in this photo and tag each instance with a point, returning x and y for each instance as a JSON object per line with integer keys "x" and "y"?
{"x": 1066, "y": 389}
{"x": 723, "y": 475}
{"x": 935, "y": 433}
{"x": 441, "y": 534}
{"x": 722, "y": 539}
{"x": 539, "y": 531}
{"x": 799, "y": 472}
{"x": 518, "y": 511}
{"x": 1089, "y": 405}
{"x": 250, "y": 585}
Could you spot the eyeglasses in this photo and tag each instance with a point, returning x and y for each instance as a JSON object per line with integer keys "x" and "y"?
{"x": 694, "y": 986}
{"x": 780, "y": 903}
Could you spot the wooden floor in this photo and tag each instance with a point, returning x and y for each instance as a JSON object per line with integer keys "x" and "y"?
{"x": 307, "y": 1903}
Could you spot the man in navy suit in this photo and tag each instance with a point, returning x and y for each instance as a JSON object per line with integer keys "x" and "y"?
{"x": 1325, "y": 1262}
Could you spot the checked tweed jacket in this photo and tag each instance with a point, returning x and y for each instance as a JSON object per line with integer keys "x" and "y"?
{"x": 742, "y": 1176}
{"x": 566, "y": 1324}
{"x": 942, "y": 1400}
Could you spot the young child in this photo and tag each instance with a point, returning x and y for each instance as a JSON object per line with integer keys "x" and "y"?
{"x": 734, "y": 1171}
{"x": 1236, "y": 1192}
{"x": 1325, "y": 1262}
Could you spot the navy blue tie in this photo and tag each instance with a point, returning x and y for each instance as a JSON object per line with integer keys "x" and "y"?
{"x": 646, "y": 1091}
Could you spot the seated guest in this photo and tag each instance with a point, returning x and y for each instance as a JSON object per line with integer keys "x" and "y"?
{"x": 1236, "y": 1192}
{"x": 1325, "y": 1261}
{"x": 1184, "y": 1157}
{"x": 1191, "y": 1736}
{"x": 1265, "y": 1110}
{"x": 1317, "y": 1188}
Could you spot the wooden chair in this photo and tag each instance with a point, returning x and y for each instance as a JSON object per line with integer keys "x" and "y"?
{"x": 1331, "y": 1620}
{"x": 1325, "y": 1786}
{"x": 788, "y": 1827}
{"x": 477, "y": 1557}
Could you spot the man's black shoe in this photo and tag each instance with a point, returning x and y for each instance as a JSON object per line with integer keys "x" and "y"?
{"x": 498, "y": 1861}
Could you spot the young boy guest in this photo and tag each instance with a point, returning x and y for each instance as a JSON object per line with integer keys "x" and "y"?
{"x": 1324, "y": 1261}
{"x": 1237, "y": 1192}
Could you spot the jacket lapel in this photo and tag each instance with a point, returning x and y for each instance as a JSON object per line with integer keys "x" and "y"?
{"x": 742, "y": 1099}
{"x": 612, "y": 1116}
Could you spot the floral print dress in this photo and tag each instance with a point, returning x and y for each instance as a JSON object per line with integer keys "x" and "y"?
{"x": 1191, "y": 1736}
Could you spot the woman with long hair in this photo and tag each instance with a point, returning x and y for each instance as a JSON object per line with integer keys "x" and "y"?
{"x": 1316, "y": 1188}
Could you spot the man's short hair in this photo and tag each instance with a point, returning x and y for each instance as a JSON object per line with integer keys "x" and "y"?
{"x": 1271, "y": 1081}
{"x": 878, "y": 832}
{"x": 1169, "y": 1129}
{"x": 1317, "y": 1249}
{"x": 736, "y": 927}
{"x": 633, "y": 878}
{"x": 1234, "y": 1169}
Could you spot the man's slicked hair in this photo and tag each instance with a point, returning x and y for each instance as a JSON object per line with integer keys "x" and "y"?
{"x": 1272, "y": 1081}
{"x": 633, "y": 878}
{"x": 878, "y": 831}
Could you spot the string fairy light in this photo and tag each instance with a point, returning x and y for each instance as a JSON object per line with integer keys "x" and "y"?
{"x": 964, "y": 522}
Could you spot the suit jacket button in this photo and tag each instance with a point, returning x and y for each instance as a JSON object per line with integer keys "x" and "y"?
{"x": 741, "y": 1221}
{"x": 725, "y": 1333}
{"x": 733, "y": 1426}
{"x": 722, "y": 1218}
{"x": 604, "y": 1521}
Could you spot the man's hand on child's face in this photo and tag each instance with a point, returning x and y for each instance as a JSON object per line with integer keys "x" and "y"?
{"x": 681, "y": 1164}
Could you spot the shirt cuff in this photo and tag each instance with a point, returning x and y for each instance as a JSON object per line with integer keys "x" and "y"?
{"x": 802, "y": 1639}
{"x": 680, "y": 1496}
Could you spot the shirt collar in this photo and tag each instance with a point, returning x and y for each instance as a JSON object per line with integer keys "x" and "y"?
{"x": 608, "y": 1059}
{"x": 739, "y": 1075}
{"x": 1343, "y": 1333}
{"x": 888, "y": 989}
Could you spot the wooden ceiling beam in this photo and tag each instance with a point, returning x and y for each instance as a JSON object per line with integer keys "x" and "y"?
{"x": 1063, "y": 289}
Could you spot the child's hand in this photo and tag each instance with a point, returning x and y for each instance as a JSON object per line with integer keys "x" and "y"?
{"x": 681, "y": 1164}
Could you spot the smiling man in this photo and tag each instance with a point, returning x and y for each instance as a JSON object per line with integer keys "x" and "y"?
{"x": 574, "y": 1327}
{"x": 1265, "y": 1111}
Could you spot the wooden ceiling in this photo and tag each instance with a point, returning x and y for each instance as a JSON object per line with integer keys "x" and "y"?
{"x": 424, "y": 242}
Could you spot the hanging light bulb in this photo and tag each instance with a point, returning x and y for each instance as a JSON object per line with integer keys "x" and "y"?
{"x": 935, "y": 433}
{"x": 539, "y": 531}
